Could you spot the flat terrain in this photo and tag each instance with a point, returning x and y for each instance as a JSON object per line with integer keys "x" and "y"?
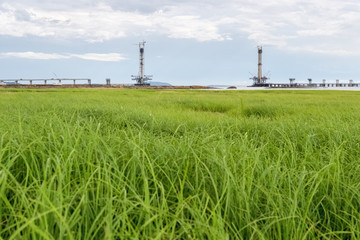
{"x": 179, "y": 164}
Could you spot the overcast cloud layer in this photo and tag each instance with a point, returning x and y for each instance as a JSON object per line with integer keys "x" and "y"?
{"x": 322, "y": 26}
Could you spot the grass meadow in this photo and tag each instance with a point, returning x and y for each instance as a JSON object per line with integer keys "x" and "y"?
{"x": 179, "y": 164}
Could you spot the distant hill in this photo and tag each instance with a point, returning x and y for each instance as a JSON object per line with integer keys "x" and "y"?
{"x": 159, "y": 84}
{"x": 219, "y": 86}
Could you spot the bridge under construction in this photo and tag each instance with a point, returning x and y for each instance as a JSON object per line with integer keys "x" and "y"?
{"x": 46, "y": 81}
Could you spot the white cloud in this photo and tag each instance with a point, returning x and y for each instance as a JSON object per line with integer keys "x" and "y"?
{"x": 101, "y": 22}
{"x": 324, "y": 50}
{"x": 188, "y": 27}
{"x": 34, "y": 55}
{"x": 287, "y": 24}
{"x": 108, "y": 57}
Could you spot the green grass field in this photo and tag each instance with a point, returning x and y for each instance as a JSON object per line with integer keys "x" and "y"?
{"x": 173, "y": 164}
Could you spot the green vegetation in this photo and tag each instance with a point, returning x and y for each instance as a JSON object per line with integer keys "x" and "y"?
{"x": 162, "y": 164}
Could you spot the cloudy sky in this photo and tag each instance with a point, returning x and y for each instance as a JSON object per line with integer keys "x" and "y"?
{"x": 188, "y": 41}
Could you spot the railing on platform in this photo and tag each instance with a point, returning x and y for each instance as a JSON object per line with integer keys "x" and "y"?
{"x": 45, "y": 81}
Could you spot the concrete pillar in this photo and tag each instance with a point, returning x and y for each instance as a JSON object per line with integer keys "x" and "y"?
{"x": 310, "y": 82}
{"x": 260, "y": 78}
{"x": 292, "y": 80}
